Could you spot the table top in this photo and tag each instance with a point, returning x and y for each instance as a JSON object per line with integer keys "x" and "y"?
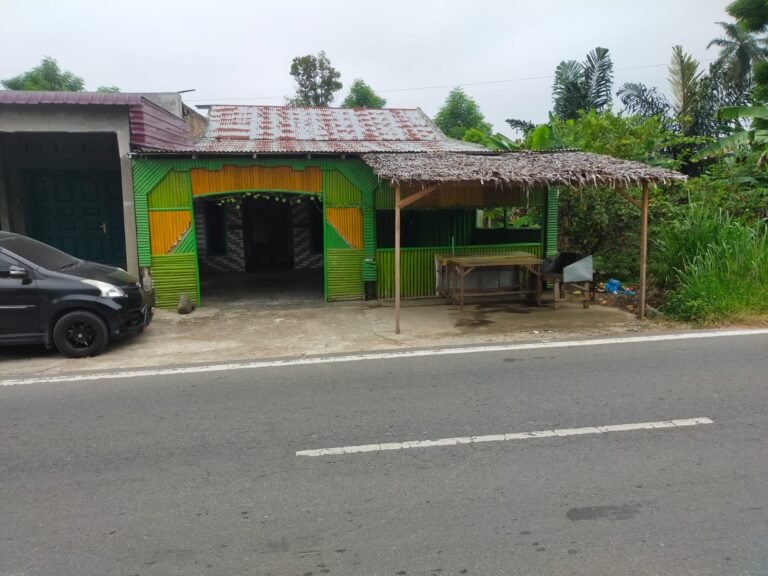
{"x": 489, "y": 260}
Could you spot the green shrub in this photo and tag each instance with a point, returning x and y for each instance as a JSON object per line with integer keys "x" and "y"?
{"x": 714, "y": 266}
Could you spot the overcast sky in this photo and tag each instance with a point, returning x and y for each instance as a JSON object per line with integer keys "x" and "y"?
{"x": 241, "y": 51}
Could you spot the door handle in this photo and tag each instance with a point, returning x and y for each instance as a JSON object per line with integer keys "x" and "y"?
{"x": 103, "y": 227}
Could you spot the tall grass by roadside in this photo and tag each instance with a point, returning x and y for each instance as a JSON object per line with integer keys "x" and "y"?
{"x": 713, "y": 266}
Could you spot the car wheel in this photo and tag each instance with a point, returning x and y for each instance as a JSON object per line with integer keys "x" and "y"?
{"x": 79, "y": 334}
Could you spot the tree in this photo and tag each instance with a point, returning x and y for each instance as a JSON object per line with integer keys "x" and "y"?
{"x": 583, "y": 85}
{"x": 111, "y": 89}
{"x": 46, "y": 76}
{"x": 642, "y": 100}
{"x": 685, "y": 83}
{"x": 459, "y": 114}
{"x": 524, "y": 126}
{"x": 752, "y": 14}
{"x": 317, "y": 81}
{"x": 362, "y": 96}
{"x": 695, "y": 97}
{"x": 739, "y": 50}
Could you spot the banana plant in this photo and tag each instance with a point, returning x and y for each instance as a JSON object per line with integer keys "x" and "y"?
{"x": 754, "y": 137}
{"x": 501, "y": 143}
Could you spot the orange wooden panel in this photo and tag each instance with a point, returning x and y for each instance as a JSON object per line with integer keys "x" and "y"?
{"x": 166, "y": 228}
{"x": 348, "y": 222}
{"x": 232, "y": 178}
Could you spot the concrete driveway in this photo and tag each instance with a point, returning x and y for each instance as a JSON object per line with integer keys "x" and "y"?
{"x": 242, "y": 330}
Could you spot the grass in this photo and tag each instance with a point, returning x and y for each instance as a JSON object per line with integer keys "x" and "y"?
{"x": 714, "y": 268}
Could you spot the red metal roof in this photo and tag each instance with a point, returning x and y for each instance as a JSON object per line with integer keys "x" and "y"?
{"x": 288, "y": 129}
{"x": 152, "y": 127}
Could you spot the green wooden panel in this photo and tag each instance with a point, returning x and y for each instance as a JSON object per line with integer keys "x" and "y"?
{"x": 417, "y": 266}
{"x": 171, "y": 192}
{"x": 174, "y": 275}
{"x": 339, "y": 191}
{"x": 344, "y": 276}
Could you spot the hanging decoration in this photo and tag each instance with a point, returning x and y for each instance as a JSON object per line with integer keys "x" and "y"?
{"x": 236, "y": 200}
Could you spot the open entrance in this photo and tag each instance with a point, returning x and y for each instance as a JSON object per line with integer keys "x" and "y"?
{"x": 264, "y": 248}
{"x": 64, "y": 189}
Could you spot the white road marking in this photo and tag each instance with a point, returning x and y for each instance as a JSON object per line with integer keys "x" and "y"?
{"x": 562, "y": 432}
{"x": 308, "y": 361}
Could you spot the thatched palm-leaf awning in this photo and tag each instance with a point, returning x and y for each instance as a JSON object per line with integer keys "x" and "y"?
{"x": 519, "y": 169}
{"x": 436, "y": 172}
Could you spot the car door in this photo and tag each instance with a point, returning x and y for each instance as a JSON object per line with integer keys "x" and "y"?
{"x": 19, "y": 302}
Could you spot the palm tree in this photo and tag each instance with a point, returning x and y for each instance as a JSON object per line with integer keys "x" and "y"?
{"x": 583, "y": 85}
{"x": 694, "y": 97}
{"x": 685, "y": 82}
{"x": 739, "y": 50}
{"x": 642, "y": 100}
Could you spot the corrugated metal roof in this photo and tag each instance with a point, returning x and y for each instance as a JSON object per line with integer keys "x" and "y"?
{"x": 288, "y": 129}
{"x": 152, "y": 127}
{"x": 99, "y": 98}
{"x": 234, "y": 146}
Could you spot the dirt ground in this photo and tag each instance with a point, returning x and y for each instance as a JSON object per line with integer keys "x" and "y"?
{"x": 240, "y": 330}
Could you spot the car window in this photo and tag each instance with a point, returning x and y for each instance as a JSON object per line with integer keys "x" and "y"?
{"x": 38, "y": 253}
{"x": 5, "y": 262}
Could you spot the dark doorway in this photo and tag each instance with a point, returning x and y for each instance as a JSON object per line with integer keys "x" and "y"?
{"x": 267, "y": 234}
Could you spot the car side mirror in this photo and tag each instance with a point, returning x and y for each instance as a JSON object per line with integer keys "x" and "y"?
{"x": 18, "y": 272}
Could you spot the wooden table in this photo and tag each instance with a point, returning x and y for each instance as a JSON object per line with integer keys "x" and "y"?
{"x": 452, "y": 270}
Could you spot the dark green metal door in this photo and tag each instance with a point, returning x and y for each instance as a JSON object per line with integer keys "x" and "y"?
{"x": 78, "y": 212}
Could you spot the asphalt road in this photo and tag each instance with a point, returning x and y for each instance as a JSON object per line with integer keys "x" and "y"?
{"x": 198, "y": 473}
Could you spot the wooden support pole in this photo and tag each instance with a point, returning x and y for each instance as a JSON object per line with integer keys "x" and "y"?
{"x": 643, "y": 250}
{"x": 398, "y": 200}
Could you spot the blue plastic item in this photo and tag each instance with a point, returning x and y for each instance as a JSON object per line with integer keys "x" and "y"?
{"x": 612, "y": 286}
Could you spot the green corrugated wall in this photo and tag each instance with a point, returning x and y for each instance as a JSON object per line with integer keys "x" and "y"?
{"x": 417, "y": 266}
{"x": 551, "y": 222}
{"x": 173, "y": 275}
{"x": 159, "y": 184}
{"x": 344, "y": 280}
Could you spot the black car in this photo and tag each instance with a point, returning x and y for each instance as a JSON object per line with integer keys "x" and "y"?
{"x": 52, "y": 298}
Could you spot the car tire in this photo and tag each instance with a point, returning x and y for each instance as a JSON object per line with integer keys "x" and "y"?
{"x": 78, "y": 334}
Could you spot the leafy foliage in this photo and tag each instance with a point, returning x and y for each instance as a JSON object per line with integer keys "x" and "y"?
{"x": 568, "y": 91}
{"x": 640, "y": 99}
{"x": 752, "y": 14}
{"x": 739, "y": 50}
{"x": 715, "y": 265}
{"x": 45, "y": 76}
{"x": 752, "y": 137}
{"x": 583, "y": 85}
{"x": 110, "y": 89}
{"x": 459, "y": 114}
{"x": 685, "y": 83}
{"x": 524, "y": 126}
{"x": 362, "y": 96}
{"x": 317, "y": 81}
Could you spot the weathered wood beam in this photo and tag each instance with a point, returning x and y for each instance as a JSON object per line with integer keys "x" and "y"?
{"x": 398, "y": 206}
{"x": 629, "y": 198}
{"x": 408, "y": 200}
{"x": 643, "y": 251}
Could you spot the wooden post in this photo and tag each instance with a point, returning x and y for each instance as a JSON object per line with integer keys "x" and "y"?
{"x": 643, "y": 250}
{"x": 397, "y": 258}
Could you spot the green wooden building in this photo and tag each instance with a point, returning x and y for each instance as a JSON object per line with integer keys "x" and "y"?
{"x": 282, "y": 188}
